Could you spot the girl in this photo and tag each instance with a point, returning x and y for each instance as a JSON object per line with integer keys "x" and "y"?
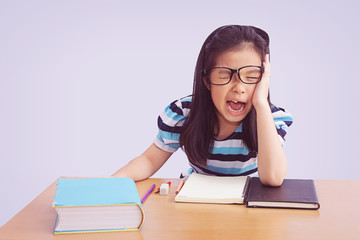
{"x": 228, "y": 126}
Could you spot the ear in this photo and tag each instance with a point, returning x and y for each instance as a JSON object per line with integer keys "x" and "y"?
{"x": 206, "y": 82}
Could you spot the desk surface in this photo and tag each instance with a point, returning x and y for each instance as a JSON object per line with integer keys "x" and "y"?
{"x": 338, "y": 218}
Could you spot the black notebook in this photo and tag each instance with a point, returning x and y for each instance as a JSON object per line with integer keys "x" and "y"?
{"x": 293, "y": 193}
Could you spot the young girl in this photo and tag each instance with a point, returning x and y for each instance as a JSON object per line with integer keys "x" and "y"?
{"x": 228, "y": 126}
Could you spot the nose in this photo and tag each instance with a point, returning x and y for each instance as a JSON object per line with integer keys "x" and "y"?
{"x": 238, "y": 85}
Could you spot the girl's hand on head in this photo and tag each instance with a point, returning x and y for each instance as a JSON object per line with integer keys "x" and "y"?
{"x": 261, "y": 91}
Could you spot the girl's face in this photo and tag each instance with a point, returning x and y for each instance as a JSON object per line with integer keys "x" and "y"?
{"x": 233, "y": 101}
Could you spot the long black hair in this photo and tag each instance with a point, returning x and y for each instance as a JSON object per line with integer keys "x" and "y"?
{"x": 197, "y": 135}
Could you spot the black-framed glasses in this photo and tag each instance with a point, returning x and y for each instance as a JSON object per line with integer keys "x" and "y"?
{"x": 222, "y": 75}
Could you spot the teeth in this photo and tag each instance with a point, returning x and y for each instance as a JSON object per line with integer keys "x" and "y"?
{"x": 242, "y": 108}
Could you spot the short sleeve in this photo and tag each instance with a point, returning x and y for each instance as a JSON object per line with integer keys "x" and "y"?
{"x": 170, "y": 122}
{"x": 283, "y": 120}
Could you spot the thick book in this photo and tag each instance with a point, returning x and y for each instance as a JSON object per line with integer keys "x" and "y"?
{"x": 200, "y": 188}
{"x": 293, "y": 193}
{"x": 97, "y": 205}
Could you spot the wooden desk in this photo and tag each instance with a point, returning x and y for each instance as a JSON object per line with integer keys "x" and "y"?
{"x": 338, "y": 218}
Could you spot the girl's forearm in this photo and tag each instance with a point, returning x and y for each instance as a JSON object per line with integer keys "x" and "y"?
{"x": 137, "y": 169}
{"x": 272, "y": 164}
{"x": 145, "y": 165}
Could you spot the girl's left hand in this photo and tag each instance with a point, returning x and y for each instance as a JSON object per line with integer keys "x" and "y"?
{"x": 261, "y": 91}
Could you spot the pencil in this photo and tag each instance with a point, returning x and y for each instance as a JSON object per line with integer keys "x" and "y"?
{"x": 148, "y": 193}
{"x": 180, "y": 186}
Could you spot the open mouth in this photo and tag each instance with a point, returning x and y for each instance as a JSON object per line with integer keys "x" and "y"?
{"x": 235, "y": 106}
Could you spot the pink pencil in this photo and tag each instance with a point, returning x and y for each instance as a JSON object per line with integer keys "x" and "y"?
{"x": 148, "y": 193}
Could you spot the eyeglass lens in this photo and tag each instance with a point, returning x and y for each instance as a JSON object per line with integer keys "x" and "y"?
{"x": 223, "y": 76}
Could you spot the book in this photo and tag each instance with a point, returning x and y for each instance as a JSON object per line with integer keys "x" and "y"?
{"x": 200, "y": 188}
{"x": 293, "y": 193}
{"x": 97, "y": 205}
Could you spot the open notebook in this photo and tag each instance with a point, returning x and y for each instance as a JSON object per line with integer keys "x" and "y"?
{"x": 293, "y": 193}
{"x": 212, "y": 189}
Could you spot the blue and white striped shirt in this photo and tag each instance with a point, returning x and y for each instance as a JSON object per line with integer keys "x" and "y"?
{"x": 230, "y": 156}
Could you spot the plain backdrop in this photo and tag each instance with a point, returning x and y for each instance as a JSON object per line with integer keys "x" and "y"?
{"x": 83, "y": 82}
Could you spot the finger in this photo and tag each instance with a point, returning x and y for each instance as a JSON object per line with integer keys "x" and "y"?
{"x": 266, "y": 65}
{"x": 267, "y": 58}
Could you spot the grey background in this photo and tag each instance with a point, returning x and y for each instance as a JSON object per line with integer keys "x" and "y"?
{"x": 82, "y": 84}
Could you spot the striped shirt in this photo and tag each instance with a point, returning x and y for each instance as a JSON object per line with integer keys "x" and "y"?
{"x": 230, "y": 156}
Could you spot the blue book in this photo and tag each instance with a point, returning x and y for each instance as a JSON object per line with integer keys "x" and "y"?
{"x": 97, "y": 205}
